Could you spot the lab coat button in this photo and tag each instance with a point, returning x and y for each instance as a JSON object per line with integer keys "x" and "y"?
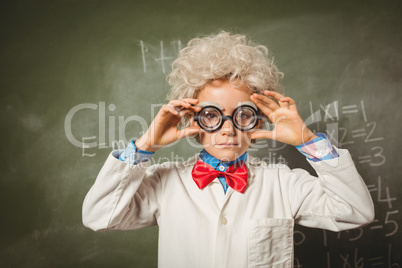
{"x": 224, "y": 221}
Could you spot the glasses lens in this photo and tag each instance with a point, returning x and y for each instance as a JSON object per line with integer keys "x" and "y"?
{"x": 245, "y": 118}
{"x": 210, "y": 118}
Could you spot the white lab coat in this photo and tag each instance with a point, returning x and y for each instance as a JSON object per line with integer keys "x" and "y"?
{"x": 206, "y": 228}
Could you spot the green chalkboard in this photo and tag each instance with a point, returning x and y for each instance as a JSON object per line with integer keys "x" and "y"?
{"x": 78, "y": 75}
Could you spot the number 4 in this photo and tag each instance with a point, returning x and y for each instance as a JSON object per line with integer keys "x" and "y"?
{"x": 388, "y": 198}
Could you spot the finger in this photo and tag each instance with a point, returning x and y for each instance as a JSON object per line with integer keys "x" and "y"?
{"x": 170, "y": 109}
{"x": 180, "y": 105}
{"x": 281, "y": 99}
{"x": 290, "y": 102}
{"x": 191, "y": 100}
{"x": 185, "y": 112}
{"x": 262, "y": 134}
{"x": 262, "y": 106}
{"x": 188, "y": 132}
{"x": 274, "y": 94}
{"x": 268, "y": 101}
{"x": 193, "y": 109}
{"x": 177, "y": 112}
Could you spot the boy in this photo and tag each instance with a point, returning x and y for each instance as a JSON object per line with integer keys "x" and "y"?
{"x": 224, "y": 208}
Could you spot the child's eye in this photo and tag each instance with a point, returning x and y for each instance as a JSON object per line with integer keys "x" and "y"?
{"x": 244, "y": 116}
{"x": 211, "y": 116}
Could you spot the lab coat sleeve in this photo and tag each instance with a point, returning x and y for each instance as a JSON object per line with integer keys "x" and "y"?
{"x": 337, "y": 200}
{"x": 123, "y": 196}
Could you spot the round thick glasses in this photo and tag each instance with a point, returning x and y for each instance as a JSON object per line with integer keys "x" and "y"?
{"x": 244, "y": 118}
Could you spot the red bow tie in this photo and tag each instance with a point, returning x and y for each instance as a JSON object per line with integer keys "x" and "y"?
{"x": 235, "y": 175}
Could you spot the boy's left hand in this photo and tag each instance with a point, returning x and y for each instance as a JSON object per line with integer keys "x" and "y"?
{"x": 289, "y": 126}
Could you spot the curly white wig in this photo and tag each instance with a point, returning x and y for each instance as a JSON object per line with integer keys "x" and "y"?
{"x": 222, "y": 56}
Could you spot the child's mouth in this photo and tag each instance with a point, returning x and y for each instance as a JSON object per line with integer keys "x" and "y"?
{"x": 227, "y": 145}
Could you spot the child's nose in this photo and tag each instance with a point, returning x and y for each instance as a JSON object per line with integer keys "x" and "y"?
{"x": 228, "y": 128}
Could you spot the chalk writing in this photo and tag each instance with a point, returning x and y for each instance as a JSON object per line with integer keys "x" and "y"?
{"x": 356, "y": 260}
{"x": 161, "y": 54}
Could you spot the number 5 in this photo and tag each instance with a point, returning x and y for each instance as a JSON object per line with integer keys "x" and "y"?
{"x": 391, "y": 222}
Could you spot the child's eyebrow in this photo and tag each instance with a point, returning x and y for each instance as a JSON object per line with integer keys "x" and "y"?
{"x": 252, "y": 104}
{"x": 210, "y": 103}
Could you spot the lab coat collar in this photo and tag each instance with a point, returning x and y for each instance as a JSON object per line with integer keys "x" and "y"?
{"x": 214, "y": 162}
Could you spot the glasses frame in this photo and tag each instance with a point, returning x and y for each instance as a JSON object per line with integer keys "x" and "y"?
{"x": 228, "y": 117}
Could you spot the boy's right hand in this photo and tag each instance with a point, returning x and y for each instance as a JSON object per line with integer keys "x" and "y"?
{"x": 163, "y": 129}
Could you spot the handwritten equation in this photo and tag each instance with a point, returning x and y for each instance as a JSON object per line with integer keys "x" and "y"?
{"x": 364, "y": 131}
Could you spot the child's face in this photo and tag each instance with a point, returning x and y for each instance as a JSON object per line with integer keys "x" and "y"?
{"x": 227, "y": 143}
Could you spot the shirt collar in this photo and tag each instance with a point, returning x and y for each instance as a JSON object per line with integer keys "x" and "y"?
{"x": 214, "y": 162}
